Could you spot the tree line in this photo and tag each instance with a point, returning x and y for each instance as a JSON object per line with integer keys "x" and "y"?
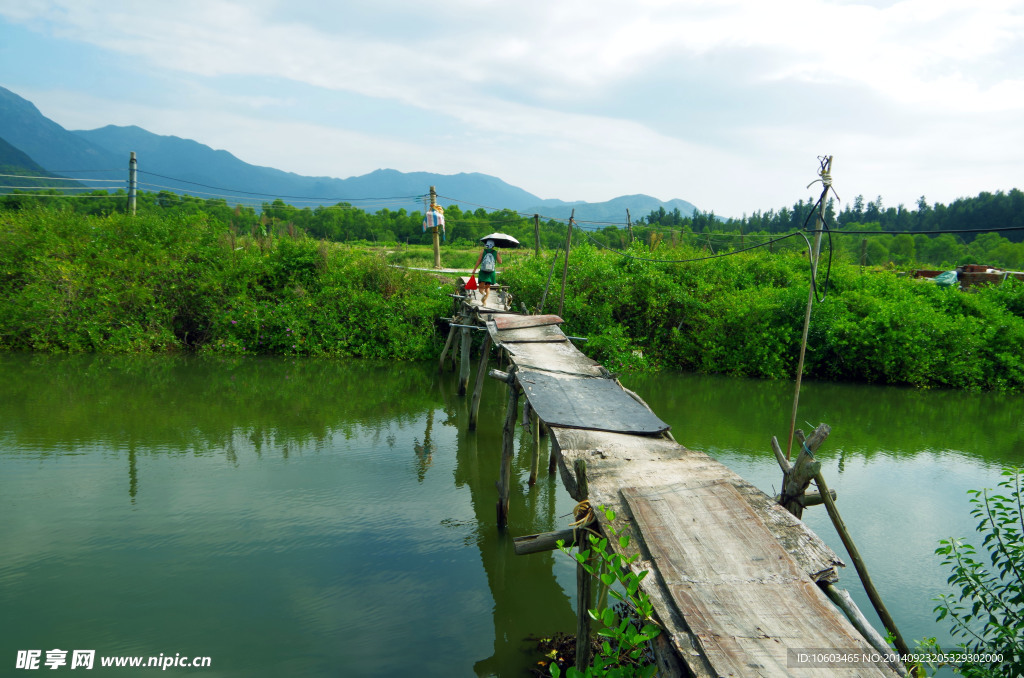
{"x": 908, "y": 237}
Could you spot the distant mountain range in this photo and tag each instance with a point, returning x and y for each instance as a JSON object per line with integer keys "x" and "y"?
{"x": 185, "y": 166}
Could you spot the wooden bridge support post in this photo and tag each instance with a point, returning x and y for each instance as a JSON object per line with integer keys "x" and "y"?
{"x": 478, "y": 387}
{"x": 584, "y": 582}
{"x": 447, "y": 345}
{"x": 535, "y": 462}
{"x": 797, "y": 477}
{"x": 464, "y": 369}
{"x": 553, "y": 450}
{"x": 507, "y": 450}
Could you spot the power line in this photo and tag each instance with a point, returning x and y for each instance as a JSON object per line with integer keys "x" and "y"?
{"x": 28, "y": 176}
{"x": 627, "y": 255}
{"x": 272, "y": 195}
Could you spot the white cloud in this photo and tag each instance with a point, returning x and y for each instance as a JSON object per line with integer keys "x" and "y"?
{"x": 584, "y": 100}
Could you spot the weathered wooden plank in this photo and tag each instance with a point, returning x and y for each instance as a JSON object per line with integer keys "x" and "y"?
{"x": 740, "y": 593}
{"x": 513, "y": 321}
{"x": 528, "y": 334}
{"x": 657, "y": 461}
{"x": 586, "y": 402}
{"x": 561, "y": 356}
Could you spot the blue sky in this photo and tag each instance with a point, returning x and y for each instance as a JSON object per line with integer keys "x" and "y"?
{"x": 725, "y": 103}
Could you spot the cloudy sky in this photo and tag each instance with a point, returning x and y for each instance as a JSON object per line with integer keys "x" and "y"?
{"x": 725, "y": 103}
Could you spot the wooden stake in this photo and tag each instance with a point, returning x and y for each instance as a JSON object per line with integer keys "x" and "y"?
{"x": 507, "y": 450}
{"x": 478, "y": 388}
{"x": 565, "y": 269}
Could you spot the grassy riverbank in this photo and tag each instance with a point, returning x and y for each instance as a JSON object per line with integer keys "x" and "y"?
{"x": 184, "y": 282}
{"x": 743, "y": 315}
{"x": 115, "y": 284}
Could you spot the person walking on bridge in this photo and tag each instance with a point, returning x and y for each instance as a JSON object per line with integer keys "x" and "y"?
{"x": 486, "y": 262}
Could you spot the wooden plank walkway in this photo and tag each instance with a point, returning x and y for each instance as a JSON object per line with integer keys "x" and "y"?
{"x": 734, "y": 575}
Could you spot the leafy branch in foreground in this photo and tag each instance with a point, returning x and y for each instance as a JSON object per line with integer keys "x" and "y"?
{"x": 988, "y": 612}
{"x": 625, "y": 638}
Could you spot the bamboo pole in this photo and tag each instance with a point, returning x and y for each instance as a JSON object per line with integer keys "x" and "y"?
{"x": 826, "y": 167}
{"x": 478, "y": 388}
{"x": 858, "y": 562}
{"x": 565, "y": 269}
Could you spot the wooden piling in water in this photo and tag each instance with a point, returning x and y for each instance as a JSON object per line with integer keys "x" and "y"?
{"x": 507, "y": 449}
{"x": 535, "y": 462}
{"x": 447, "y": 345}
{"x": 464, "y": 369}
{"x": 584, "y": 582}
{"x": 478, "y": 387}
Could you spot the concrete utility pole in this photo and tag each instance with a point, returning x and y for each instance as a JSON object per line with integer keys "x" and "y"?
{"x": 133, "y": 167}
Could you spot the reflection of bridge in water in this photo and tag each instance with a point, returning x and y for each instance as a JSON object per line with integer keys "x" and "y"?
{"x": 737, "y": 581}
{"x": 518, "y": 615}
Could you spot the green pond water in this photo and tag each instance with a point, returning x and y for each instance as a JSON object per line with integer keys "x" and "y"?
{"x": 316, "y": 518}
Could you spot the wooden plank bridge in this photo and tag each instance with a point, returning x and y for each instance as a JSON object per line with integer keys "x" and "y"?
{"x": 736, "y": 580}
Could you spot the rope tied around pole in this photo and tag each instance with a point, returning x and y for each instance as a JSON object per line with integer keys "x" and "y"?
{"x": 584, "y": 516}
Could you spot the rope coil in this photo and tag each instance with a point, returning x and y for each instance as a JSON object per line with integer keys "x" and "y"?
{"x": 584, "y": 516}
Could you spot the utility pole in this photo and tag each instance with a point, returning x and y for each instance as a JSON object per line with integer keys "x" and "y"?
{"x": 565, "y": 269}
{"x": 629, "y": 225}
{"x": 437, "y": 237}
{"x": 133, "y": 167}
{"x": 536, "y": 235}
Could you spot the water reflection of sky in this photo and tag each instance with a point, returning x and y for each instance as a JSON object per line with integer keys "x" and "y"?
{"x": 282, "y": 517}
{"x": 298, "y": 517}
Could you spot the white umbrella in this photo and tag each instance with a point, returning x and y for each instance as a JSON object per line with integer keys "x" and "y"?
{"x": 501, "y": 240}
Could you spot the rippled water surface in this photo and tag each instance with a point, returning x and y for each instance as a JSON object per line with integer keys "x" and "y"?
{"x": 318, "y": 518}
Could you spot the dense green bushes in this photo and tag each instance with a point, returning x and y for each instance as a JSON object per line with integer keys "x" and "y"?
{"x": 116, "y": 284}
{"x": 743, "y": 315}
